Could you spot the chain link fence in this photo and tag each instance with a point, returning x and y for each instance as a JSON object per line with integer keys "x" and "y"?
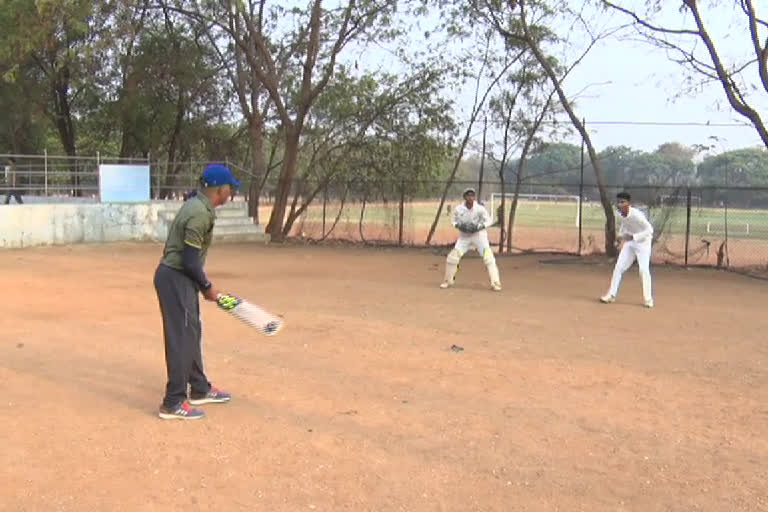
{"x": 693, "y": 225}
{"x": 725, "y": 227}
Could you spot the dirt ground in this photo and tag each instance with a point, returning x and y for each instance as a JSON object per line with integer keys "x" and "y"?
{"x": 556, "y": 403}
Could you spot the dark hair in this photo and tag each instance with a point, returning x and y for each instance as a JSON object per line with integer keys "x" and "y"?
{"x": 624, "y": 195}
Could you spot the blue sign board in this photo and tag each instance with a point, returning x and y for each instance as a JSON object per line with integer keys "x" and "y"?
{"x": 124, "y": 183}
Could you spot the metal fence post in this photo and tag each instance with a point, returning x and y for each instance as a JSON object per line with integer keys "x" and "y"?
{"x": 402, "y": 207}
{"x": 581, "y": 193}
{"x": 98, "y": 175}
{"x": 45, "y": 170}
{"x": 725, "y": 213}
{"x": 687, "y": 223}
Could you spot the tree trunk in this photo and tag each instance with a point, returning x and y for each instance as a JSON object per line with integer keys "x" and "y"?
{"x": 292, "y": 213}
{"x": 296, "y": 212}
{"x": 284, "y": 184}
{"x": 513, "y": 206}
{"x": 519, "y": 177}
{"x": 501, "y": 214}
{"x": 610, "y": 220}
{"x": 338, "y": 215}
{"x": 258, "y": 166}
{"x": 482, "y": 161}
{"x": 467, "y": 134}
{"x": 502, "y": 164}
{"x": 170, "y": 180}
{"x": 65, "y": 127}
{"x": 128, "y": 141}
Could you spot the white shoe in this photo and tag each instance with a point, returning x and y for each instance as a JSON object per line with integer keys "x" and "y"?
{"x": 445, "y": 284}
{"x": 607, "y": 299}
{"x": 648, "y": 303}
{"x": 496, "y": 287}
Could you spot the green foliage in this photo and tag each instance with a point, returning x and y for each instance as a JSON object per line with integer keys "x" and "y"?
{"x": 670, "y": 165}
{"x": 380, "y": 130}
{"x": 742, "y": 167}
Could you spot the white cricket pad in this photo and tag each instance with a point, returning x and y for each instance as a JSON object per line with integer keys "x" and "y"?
{"x": 493, "y": 274}
{"x": 454, "y": 257}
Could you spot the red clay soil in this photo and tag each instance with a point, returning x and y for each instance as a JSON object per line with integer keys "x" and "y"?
{"x": 556, "y": 402}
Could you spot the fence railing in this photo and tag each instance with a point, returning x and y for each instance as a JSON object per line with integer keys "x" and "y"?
{"x": 694, "y": 225}
{"x": 55, "y": 178}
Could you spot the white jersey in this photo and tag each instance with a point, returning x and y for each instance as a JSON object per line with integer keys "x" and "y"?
{"x": 475, "y": 215}
{"x": 637, "y": 225}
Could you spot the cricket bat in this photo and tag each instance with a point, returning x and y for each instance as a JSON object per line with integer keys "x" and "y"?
{"x": 251, "y": 314}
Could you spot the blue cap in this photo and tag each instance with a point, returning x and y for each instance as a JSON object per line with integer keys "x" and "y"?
{"x": 216, "y": 175}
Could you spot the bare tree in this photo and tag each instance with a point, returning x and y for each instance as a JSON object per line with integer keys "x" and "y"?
{"x": 504, "y": 108}
{"x": 477, "y": 107}
{"x": 252, "y": 96}
{"x": 531, "y": 130}
{"x": 682, "y": 43}
{"x": 294, "y": 68}
{"x": 521, "y": 30}
{"x": 336, "y": 143}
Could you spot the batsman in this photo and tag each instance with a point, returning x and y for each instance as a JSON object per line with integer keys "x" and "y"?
{"x": 471, "y": 219}
{"x": 179, "y": 279}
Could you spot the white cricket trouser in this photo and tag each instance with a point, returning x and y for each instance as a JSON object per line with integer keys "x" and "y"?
{"x": 477, "y": 240}
{"x": 630, "y": 251}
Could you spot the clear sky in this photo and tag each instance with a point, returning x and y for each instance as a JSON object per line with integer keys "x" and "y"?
{"x": 644, "y": 85}
{"x": 632, "y": 81}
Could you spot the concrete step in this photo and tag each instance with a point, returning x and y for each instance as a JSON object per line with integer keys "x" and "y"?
{"x": 232, "y": 211}
{"x": 251, "y": 236}
{"x": 233, "y": 225}
{"x": 237, "y": 228}
{"x": 231, "y": 217}
{"x": 235, "y": 221}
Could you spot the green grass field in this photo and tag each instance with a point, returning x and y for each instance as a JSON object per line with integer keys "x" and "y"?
{"x": 752, "y": 224}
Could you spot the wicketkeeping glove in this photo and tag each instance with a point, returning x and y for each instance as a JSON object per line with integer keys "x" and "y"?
{"x": 464, "y": 227}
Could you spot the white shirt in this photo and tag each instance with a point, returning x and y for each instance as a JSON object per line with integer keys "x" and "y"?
{"x": 637, "y": 225}
{"x": 476, "y": 215}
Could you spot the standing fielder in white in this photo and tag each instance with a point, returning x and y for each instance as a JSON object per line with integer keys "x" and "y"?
{"x": 636, "y": 233}
{"x": 471, "y": 219}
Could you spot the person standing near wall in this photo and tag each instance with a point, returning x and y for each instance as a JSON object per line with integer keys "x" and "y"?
{"x": 10, "y": 181}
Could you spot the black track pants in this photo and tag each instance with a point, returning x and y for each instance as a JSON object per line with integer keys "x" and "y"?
{"x": 180, "y": 308}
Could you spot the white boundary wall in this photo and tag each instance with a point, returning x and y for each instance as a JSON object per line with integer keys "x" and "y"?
{"x": 29, "y": 225}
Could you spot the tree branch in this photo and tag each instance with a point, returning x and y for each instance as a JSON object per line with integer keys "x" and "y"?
{"x": 312, "y": 93}
{"x": 648, "y": 25}
{"x": 761, "y": 53}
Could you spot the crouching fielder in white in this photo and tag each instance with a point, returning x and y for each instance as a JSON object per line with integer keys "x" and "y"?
{"x": 636, "y": 233}
{"x": 471, "y": 219}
